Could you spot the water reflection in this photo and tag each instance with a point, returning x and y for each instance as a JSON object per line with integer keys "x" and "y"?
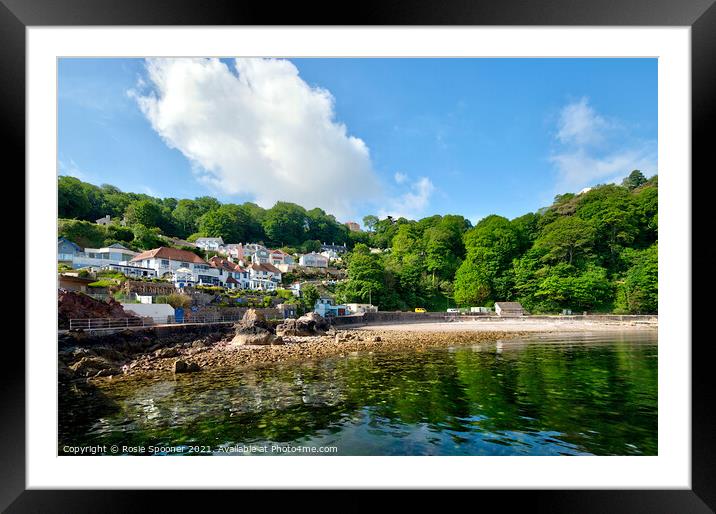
{"x": 586, "y": 394}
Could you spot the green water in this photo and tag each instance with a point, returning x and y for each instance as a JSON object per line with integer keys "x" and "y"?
{"x": 571, "y": 395}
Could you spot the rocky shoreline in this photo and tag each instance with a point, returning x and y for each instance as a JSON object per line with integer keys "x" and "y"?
{"x": 255, "y": 341}
{"x": 231, "y": 348}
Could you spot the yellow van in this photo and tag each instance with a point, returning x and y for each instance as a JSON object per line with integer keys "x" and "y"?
{"x": 420, "y": 309}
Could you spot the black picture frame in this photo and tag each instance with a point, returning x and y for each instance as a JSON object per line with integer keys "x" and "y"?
{"x": 700, "y": 15}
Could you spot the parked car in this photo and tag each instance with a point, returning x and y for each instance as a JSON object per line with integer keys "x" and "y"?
{"x": 453, "y": 309}
{"x": 420, "y": 309}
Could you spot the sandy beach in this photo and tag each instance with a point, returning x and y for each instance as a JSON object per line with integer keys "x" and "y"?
{"x": 518, "y": 325}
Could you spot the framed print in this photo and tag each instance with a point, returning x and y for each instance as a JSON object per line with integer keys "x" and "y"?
{"x": 417, "y": 252}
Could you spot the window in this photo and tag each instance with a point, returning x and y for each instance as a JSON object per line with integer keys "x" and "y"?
{"x": 165, "y": 263}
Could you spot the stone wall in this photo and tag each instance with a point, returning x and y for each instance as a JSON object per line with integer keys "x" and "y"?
{"x": 425, "y": 317}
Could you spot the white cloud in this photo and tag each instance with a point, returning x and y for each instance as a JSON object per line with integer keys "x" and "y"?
{"x": 579, "y": 124}
{"x": 400, "y": 178}
{"x": 257, "y": 129}
{"x": 412, "y": 203}
{"x": 594, "y": 150}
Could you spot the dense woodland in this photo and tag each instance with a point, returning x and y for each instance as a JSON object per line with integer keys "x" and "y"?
{"x": 595, "y": 251}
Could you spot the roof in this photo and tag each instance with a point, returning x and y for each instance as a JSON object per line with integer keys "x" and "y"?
{"x": 117, "y": 245}
{"x": 314, "y": 254}
{"x": 279, "y": 252}
{"x": 231, "y": 280}
{"x": 173, "y": 254}
{"x": 180, "y": 242}
{"x": 508, "y": 306}
{"x": 218, "y": 262}
{"x": 65, "y": 240}
{"x": 264, "y": 267}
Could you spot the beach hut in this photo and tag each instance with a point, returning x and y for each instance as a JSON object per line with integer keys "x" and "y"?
{"x": 509, "y": 309}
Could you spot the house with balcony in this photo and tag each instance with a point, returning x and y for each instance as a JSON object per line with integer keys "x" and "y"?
{"x": 166, "y": 261}
{"x": 231, "y": 275}
{"x": 338, "y": 249}
{"x": 130, "y": 271}
{"x": 234, "y": 251}
{"x": 67, "y": 250}
{"x": 71, "y": 254}
{"x": 277, "y": 257}
{"x": 313, "y": 260}
{"x": 263, "y": 277}
{"x": 257, "y": 254}
{"x": 209, "y": 244}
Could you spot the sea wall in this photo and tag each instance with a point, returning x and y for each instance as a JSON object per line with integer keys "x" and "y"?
{"x": 145, "y": 337}
{"x": 376, "y": 318}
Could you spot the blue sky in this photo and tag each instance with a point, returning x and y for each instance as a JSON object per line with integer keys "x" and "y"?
{"x": 411, "y": 137}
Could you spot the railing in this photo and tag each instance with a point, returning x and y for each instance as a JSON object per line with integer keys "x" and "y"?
{"x": 113, "y": 323}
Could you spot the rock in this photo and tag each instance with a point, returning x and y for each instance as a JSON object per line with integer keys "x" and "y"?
{"x": 107, "y": 372}
{"x": 254, "y": 318}
{"x": 108, "y": 353}
{"x": 313, "y": 321}
{"x": 74, "y": 305}
{"x": 89, "y": 366}
{"x": 259, "y": 337}
{"x": 277, "y": 340}
{"x": 307, "y": 325}
{"x": 164, "y": 353}
{"x": 376, "y": 339}
{"x": 180, "y": 366}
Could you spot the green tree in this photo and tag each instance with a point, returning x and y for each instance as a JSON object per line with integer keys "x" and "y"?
{"x": 144, "y": 212}
{"x": 370, "y": 221}
{"x": 566, "y": 238}
{"x": 286, "y": 224}
{"x": 72, "y": 202}
{"x": 146, "y": 238}
{"x": 635, "y": 179}
{"x": 640, "y": 287}
{"x": 365, "y": 277}
{"x": 309, "y": 296}
{"x": 227, "y": 222}
{"x": 83, "y": 233}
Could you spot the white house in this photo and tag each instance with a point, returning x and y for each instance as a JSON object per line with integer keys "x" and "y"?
{"x": 327, "y": 308}
{"x": 183, "y": 277}
{"x": 339, "y": 249}
{"x": 231, "y": 275}
{"x": 258, "y": 254}
{"x": 313, "y": 260}
{"x": 209, "y": 244}
{"x": 331, "y": 255}
{"x": 233, "y": 250}
{"x": 70, "y": 253}
{"x": 277, "y": 257}
{"x": 263, "y": 277}
{"x": 361, "y": 308}
{"x": 165, "y": 261}
{"x": 131, "y": 271}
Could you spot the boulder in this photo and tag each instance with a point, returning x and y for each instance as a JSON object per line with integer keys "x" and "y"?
{"x": 90, "y": 366}
{"x": 260, "y": 337}
{"x": 313, "y": 321}
{"x": 310, "y": 324}
{"x": 254, "y": 318}
{"x": 74, "y": 305}
{"x": 163, "y": 353}
{"x": 181, "y": 366}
